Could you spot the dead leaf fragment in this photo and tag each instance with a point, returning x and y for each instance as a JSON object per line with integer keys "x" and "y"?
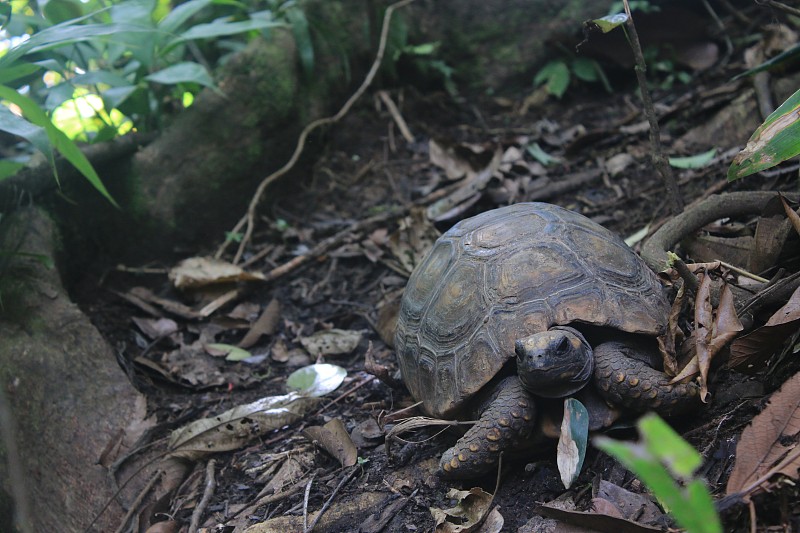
{"x": 751, "y": 352}
{"x": 468, "y": 514}
{"x": 331, "y": 342}
{"x": 334, "y": 439}
{"x": 266, "y": 324}
{"x": 238, "y": 426}
{"x": 769, "y": 445}
{"x": 156, "y": 328}
{"x": 196, "y": 272}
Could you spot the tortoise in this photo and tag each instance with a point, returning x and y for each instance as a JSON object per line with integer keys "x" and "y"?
{"x": 563, "y": 294}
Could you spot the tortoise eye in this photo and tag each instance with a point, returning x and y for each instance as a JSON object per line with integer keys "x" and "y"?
{"x": 563, "y": 346}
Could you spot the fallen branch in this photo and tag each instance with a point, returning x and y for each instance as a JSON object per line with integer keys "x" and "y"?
{"x": 249, "y": 219}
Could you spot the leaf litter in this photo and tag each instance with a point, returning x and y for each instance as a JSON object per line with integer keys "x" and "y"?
{"x": 340, "y": 293}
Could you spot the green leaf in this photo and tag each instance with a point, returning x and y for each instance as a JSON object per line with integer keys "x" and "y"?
{"x": 62, "y": 34}
{"x": 60, "y": 10}
{"x": 316, "y": 380}
{"x": 585, "y": 69}
{"x": 691, "y": 505}
{"x": 556, "y": 74}
{"x": 180, "y": 14}
{"x": 572, "y": 441}
{"x": 775, "y": 141}
{"x": 220, "y": 28}
{"x": 610, "y": 22}
{"x": 302, "y": 37}
{"x": 694, "y": 161}
{"x": 540, "y": 155}
{"x": 100, "y": 77}
{"x": 234, "y": 353}
{"x": 113, "y": 97}
{"x": 16, "y": 125}
{"x": 9, "y": 168}
{"x": 17, "y": 71}
{"x": 57, "y": 139}
{"x": 663, "y": 442}
{"x": 784, "y": 57}
{"x": 181, "y": 73}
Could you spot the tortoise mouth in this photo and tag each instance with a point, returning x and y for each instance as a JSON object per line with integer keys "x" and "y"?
{"x": 554, "y": 381}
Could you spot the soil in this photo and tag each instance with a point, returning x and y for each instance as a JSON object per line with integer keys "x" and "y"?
{"x": 365, "y": 169}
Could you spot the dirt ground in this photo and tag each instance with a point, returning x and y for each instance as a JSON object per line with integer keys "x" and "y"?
{"x": 366, "y": 169}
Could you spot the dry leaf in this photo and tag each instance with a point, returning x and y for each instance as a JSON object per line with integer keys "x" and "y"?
{"x": 704, "y": 324}
{"x": 331, "y": 342}
{"x": 769, "y": 445}
{"x": 156, "y": 328}
{"x": 750, "y": 352}
{"x": 238, "y": 426}
{"x": 266, "y": 324}
{"x": 334, "y": 439}
{"x": 468, "y": 514}
{"x": 196, "y": 272}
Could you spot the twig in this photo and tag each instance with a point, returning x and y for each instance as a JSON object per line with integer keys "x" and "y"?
{"x": 305, "y": 503}
{"x": 135, "y": 506}
{"x": 398, "y": 118}
{"x": 329, "y": 243}
{"x": 249, "y": 219}
{"x": 657, "y": 154}
{"x": 327, "y": 503}
{"x": 783, "y": 7}
{"x": 211, "y": 486}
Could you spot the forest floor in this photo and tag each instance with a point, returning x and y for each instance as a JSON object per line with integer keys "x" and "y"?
{"x": 600, "y": 154}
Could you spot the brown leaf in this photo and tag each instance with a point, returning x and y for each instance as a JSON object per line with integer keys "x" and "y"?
{"x": 750, "y": 352}
{"x": 334, "y": 439}
{"x": 703, "y": 323}
{"x": 594, "y": 521}
{"x": 793, "y": 216}
{"x": 726, "y": 326}
{"x": 769, "y": 445}
{"x": 196, "y": 272}
{"x": 266, "y": 324}
{"x": 468, "y": 514}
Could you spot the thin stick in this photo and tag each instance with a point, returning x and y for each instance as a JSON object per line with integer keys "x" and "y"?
{"x": 211, "y": 486}
{"x": 327, "y": 503}
{"x": 305, "y": 503}
{"x": 249, "y": 218}
{"x": 657, "y": 154}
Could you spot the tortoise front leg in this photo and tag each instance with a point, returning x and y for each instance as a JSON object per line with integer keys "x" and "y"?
{"x": 507, "y": 419}
{"x": 623, "y": 379}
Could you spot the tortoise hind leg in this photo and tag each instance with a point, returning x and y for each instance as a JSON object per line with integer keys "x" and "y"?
{"x": 506, "y": 420}
{"x": 623, "y": 379}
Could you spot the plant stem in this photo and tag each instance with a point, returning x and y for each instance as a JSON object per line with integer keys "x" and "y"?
{"x": 657, "y": 154}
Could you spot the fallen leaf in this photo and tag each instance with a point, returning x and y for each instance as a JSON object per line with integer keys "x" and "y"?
{"x": 238, "y": 426}
{"x": 593, "y": 521}
{"x": 769, "y": 445}
{"x": 156, "y": 328}
{"x": 571, "y": 448}
{"x": 266, "y": 324}
{"x": 196, "y": 272}
{"x": 316, "y": 380}
{"x": 630, "y": 505}
{"x": 704, "y": 325}
{"x": 231, "y": 353}
{"x": 750, "y": 352}
{"x": 415, "y": 235}
{"x": 334, "y": 439}
{"x": 331, "y": 342}
{"x": 472, "y": 507}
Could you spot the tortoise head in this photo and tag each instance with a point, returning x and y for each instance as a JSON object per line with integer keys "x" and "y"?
{"x": 554, "y": 363}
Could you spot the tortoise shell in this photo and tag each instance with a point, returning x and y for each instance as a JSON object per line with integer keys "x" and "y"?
{"x": 506, "y": 274}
